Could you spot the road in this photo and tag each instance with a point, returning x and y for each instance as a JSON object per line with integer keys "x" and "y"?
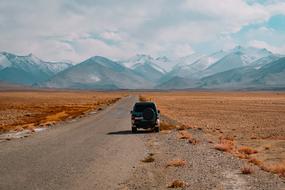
{"x": 96, "y": 152}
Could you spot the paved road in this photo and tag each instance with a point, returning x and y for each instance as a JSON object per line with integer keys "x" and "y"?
{"x": 96, "y": 152}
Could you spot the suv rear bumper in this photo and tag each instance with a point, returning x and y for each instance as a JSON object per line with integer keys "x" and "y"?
{"x": 145, "y": 124}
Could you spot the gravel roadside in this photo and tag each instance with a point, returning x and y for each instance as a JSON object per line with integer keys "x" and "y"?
{"x": 205, "y": 168}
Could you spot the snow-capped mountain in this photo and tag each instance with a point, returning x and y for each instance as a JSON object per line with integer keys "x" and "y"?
{"x": 28, "y": 69}
{"x": 166, "y": 63}
{"x": 191, "y": 66}
{"x": 145, "y": 66}
{"x": 237, "y": 57}
{"x": 271, "y": 75}
{"x": 98, "y": 73}
{"x": 186, "y": 61}
{"x": 240, "y": 67}
{"x": 192, "y": 70}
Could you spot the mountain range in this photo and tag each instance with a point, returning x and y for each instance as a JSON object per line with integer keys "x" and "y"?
{"x": 238, "y": 68}
{"x": 28, "y": 69}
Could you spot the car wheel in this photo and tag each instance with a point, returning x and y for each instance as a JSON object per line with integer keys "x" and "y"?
{"x": 156, "y": 129}
{"x": 134, "y": 129}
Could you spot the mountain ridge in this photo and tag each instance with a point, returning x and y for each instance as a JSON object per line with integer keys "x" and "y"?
{"x": 215, "y": 70}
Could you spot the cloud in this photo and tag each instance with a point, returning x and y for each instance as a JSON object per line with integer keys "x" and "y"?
{"x": 78, "y": 29}
{"x": 262, "y": 44}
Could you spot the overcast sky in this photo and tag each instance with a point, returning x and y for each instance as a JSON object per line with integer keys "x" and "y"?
{"x": 77, "y": 29}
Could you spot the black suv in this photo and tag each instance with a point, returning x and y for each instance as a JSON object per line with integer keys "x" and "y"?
{"x": 145, "y": 116}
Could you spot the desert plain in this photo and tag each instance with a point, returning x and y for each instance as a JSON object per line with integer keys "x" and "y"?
{"x": 251, "y": 123}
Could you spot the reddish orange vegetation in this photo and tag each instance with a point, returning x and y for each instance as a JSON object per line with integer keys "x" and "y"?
{"x": 164, "y": 126}
{"x": 225, "y": 145}
{"x": 176, "y": 163}
{"x": 29, "y": 109}
{"x": 246, "y": 170}
{"x": 255, "y": 161}
{"x": 247, "y": 150}
{"x": 184, "y": 134}
{"x": 178, "y": 184}
{"x": 183, "y": 127}
{"x": 253, "y": 122}
{"x": 275, "y": 168}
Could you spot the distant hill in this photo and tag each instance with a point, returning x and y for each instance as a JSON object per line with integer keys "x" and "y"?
{"x": 177, "y": 83}
{"x": 27, "y": 69}
{"x": 237, "y": 68}
{"x": 145, "y": 66}
{"x": 270, "y": 75}
{"x": 98, "y": 73}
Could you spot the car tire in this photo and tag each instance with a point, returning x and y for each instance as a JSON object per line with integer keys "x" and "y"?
{"x": 134, "y": 130}
{"x": 148, "y": 114}
{"x": 156, "y": 129}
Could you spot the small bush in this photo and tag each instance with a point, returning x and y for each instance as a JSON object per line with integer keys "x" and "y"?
{"x": 148, "y": 159}
{"x": 182, "y": 127}
{"x": 176, "y": 163}
{"x": 225, "y": 145}
{"x": 178, "y": 184}
{"x": 166, "y": 126}
{"x": 246, "y": 170}
{"x": 278, "y": 168}
{"x": 255, "y": 161}
{"x": 184, "y": 135}
{"x": 247, "y": 150}
{"x": 193, "y": 141}
{"x": 143, "y": 99}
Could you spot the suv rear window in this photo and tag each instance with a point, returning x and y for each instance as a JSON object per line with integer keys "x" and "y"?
{"x": 142, "y": 106}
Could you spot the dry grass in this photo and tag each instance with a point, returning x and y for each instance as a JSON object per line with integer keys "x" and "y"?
{"x": 225, "y": 145}
{"x": 255, "y": 161}
{"x": 176, "y": 163}
{"x": 246, "y": 170}
{"x": 252, "y": 119}
{"x": 247, "y": 150}
{"x": 166, "y": 126}
{"x": 278, "y": 168}
{"x": 30, "y": 109}
{"x": 165, "y": 131}
{"x": 143, "y": 99}
{"x": 178, "y": 184}
{"x": 148, "y": 159}
{"x": 183, "y": 127}
{"x": 184, "y": 134}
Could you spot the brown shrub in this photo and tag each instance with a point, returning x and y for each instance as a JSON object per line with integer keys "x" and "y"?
{"x": 143, "y": 99}
{"x": 193, "y": 141}
{"x": 166, "y": 126}
{"x": 225, "y": 145}
{"x": 184, "y": 135}
{"x": 165, "y": 131}
{"x": 148, "y": 159}
{"x": 255, "y": 161}
{"x": 182, "y": 127}
{"x": 246, "y": 170}
{"x": 241, "y": 155}
{"x": 278, "y": 168}
{"x": 247, "y": 150}
{"x": 176, "y": 163}
{"x": 178, "y": 184}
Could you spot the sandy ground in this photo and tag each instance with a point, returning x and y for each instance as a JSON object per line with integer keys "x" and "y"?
{"x": 252, "y": 119}
{"x": 100, "y": 152}
{"x": 20, "y": 110}
{"x": 94, "y": 152}
{"x": 205, "y": 167}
